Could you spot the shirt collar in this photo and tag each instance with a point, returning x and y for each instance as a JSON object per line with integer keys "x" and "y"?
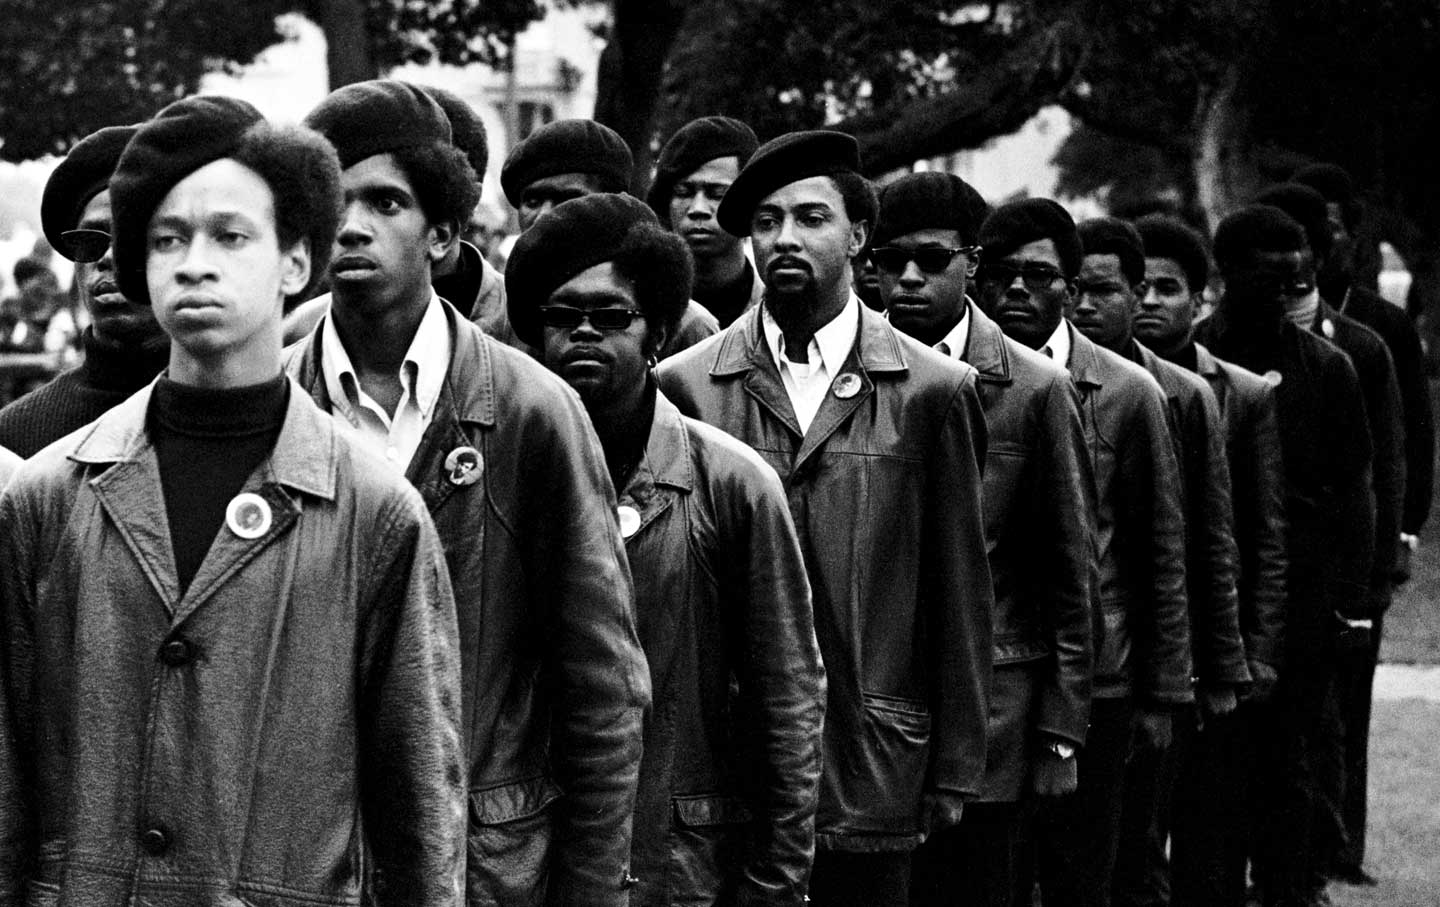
{"x": 422, "y": 373}
{"x": 959, "y": 335}
{"x": 1059, "y": 344}
{"x": 833, "y": 341}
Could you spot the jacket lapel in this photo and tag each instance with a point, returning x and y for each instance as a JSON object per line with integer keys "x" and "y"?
{"x": 743, "y": 350}
{"x": 471, "y": 400}
{"x": 664, "y": 472}
{"x": 985, "y": 349}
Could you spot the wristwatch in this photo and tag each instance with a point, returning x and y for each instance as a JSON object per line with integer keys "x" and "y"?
{"x": 1061, "y": 749}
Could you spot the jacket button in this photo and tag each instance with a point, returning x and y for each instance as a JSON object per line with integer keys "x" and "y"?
{"x": 155, "y": 841}
{"x": 176, "y": 652}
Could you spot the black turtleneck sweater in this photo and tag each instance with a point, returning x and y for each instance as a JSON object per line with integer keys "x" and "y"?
{"x": 208, "y": 442}
{"x": 728, "y": 302}
{"x": 624, "y": 443}
{"x": 74, "y": 399}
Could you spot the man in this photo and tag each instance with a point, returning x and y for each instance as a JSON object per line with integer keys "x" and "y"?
{"x": 554, "y": 681}
{"x": 725, "y": 810}
{"x": 694, "y": 171}
{"x": 570, "y": 158}
{"x": 124, "y": 346}
{"x": 231, "y": 664}
{"x": 1038, "y": 530}
{"x": 878, "y": 441}
{"x": 1208, "y": 821}
{"x": 1142, "y": 670}
{"x": 1329, "y": 509}
{"x": 1111, "y": 284}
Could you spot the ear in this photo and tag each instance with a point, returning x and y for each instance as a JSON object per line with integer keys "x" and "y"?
{"x": 656, "y": 336}
{"x": 443, "y": 237}
{"x": 295, "y": 268}
{"x": 859, "y": 232}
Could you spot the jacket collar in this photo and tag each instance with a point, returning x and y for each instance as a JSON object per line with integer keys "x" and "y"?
{"x": 985, "y": 350}
{"x": 1205, "y": 362}
{"x": 666, "y": 465}
{"x": 1085, "y": 365}
{"x": 742, "y": 347}
{"x": 303, "y": 458}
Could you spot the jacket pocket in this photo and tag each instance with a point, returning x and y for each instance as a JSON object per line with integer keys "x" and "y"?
{"x": 896, "y": 757}
{"x": 704, "y": 850}
{"x": 508, "y": 845}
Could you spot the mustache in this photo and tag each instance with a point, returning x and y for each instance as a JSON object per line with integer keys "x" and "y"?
{"x": 103, "y": 286}
{"x": 786, "y": 261}
{"x": 586, "y": 353}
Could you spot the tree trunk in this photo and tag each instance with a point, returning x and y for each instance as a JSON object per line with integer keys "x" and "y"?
{"x": 631, "y": 67}
{"x": 347, "y": 43}
{"x": 1226, "y": 167}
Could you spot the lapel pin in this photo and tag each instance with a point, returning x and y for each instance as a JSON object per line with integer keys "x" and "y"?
{"x": 248, "y": 515}
{"x": 1327, "y": 327}
{"x": 463, "y": 466}
{"x": 1274, "y": 377}
{"x": 847, "y": 385}
{"x": 629, "y": 520}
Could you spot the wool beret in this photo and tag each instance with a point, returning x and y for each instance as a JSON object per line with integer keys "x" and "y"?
{"x": 466, "y": 129}
{"x": 1308, "y": 209}
{"x": 781, "y": 161}
{"x": 1333, "y": 182}
{"x": 1113, "y": 236}
{"x": 1030, "y": 220}
{"x": 584, "y": 232}
{"x": 1169, "y": 237}
{"x": 1256, "y": 228}
{"x": 696, "y": 143}
{"x": 930, "y": 201}
{"x": 568, "y": 146}
{"x": 84, "y": 174}
{"x": 377, "y": 117}
{"x": 165, "y": 149}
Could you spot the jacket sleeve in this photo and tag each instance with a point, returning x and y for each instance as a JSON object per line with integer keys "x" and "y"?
{"x": 411, "y": 772}
{"x": 1152, "y": 488}
{"x": 782, "y": 689}
{"x": 1212, "y": 557}
{"x": 1351, "y": 505}
{"x": 593, "y": 665}
{"x": 1419, "y": 421}
{"x": 1258, "y": 480}
{"x": 1384, "y": 412}
{"x": 18, "y": 829}
{"x": 958, "y": 598}
{"x": 1063, "y": 500}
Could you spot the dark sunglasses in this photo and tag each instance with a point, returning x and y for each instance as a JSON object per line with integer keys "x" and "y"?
{"x": 611, "y": 319}
{"x": 931, "y": 259}
{"x": 1036, "y": 276}
{"x": 85, "y": 245}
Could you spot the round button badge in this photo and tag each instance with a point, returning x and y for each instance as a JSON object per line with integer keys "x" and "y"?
{"x": 463, "y": 466}
{"x": 847, "y": 385}
{"x": 248, "y": 515}
{"x": 1274, "y": 377}
{"x": 629, "y": 520}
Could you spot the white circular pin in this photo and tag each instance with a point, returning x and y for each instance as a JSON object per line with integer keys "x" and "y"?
{"x": 1327, "y": 327}
{"x": 847, "y": 385}
{"x": 248, "y": 515}
{"x": 464, "y": 466}
{"x": 1274, "y": 377}
{"x": 629, "y": 520}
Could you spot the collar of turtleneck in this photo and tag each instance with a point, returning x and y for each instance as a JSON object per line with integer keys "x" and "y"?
{"x": 123, "y": 367}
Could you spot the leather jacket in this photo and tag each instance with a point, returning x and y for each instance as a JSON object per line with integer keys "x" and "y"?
{"x": 554, "y": 681}
{"x": 725, "y": 811}
{"x": 885, "y": 491}
{"x": 283, "y": 733}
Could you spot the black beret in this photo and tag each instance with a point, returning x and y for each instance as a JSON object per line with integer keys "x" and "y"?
{"x": 930, "y": 201}
{"x": 466, "y": 129}
{"x": 568, "y": 146}
{"x": 579, "y": 234}
{"x": 1030, "y": 220}
{"x": 165, "y": 149}
{"x": 697, "y": 142}
{"x": 1333, "y": 182}
{"x": 1169, "y": 237}
{"x": 1308, "y": 209}
{"x": 377, "y": 117}
{"x": 1257, "y": 228}
{"x": 84, "y": 174}
{"x": 1113, "y": 236}
{"x": 781, "y": 161}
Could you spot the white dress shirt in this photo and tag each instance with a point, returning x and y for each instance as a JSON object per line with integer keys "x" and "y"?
{"x": 807, "y": 383}
{"x": 954, "y": 342}
{"x": 422, "y": 374}
{"x": 1059, "y": 344}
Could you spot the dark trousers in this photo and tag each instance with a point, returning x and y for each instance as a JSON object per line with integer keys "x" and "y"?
{"x": 1142, "y": 873}
{"x": 1354, "y": 687}
{"x": 842, "y": 879}
{"x": 1071, "y": 854}
{"x": 972, "y": 863}
{"x": 1210, "y": 815}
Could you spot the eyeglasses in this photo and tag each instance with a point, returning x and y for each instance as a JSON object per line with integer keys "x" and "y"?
{"x": 609, "y": 319}
{"x": 931, "y": 259}
{"x": 1036, "y": 276}
{"x": 85, "y": 245}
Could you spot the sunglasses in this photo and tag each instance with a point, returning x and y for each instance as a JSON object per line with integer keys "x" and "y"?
{"x": 609, "y": 319}
{"x": 1036, "y": 276}
{"x": 930, "y": 259}
{"x": 85, "y": 245}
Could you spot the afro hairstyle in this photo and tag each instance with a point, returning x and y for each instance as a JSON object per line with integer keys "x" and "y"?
{"x": 1334, "y": 183}
{"x": 1113, "y": 236}
{"x": 1020, "y": 223}
{"x": 1170, "y": 237}
{"x": 1256, "y": 228}
{"x": 1308, "y": 209}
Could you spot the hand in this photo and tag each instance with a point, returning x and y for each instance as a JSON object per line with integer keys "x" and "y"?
{"x": 1263, "y": 678}
{"x": 1217, "y": 702}
{"x": 1053, "y": 776}
{"x": 1400, "y": 573}
{"x": 1152, "y": 728}
{"x": 940, "y": 810}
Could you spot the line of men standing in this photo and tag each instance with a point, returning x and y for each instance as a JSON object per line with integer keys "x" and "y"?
{"x": 660, "y": 573}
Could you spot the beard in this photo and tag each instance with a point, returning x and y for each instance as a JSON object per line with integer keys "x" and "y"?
{"x": 793, "y": 307}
